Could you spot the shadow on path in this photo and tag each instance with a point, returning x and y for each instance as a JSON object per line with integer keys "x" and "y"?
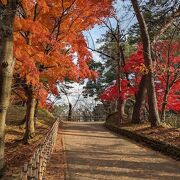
{"x": 94, "y": 153}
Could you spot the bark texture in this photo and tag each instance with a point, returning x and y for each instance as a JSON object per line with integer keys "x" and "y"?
{"x": 7, "y": 14}
{"x": 122, "y": 107}
{"x": 163, "y": 113}
{"x": 118, "y": 61}
{"x": 36, "y": 113}
{"x": 152, "y": 100}
{"x": 70, "y": 112}
{"x": 30, "y": 112}
{"x": 140, "y": 101}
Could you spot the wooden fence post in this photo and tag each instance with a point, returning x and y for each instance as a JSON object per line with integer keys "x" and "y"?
{"x": 35, "y": 168}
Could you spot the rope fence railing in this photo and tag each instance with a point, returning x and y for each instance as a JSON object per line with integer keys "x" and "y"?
{"x": 35, "y": 168}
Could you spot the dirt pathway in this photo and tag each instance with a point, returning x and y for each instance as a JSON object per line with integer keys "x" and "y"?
{"x": 55, "y": 168}
{"x": 93, "y": 153}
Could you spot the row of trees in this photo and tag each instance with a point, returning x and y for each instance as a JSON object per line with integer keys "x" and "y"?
{"x": 41, "y": 45}
{"x": 143, "y": 65}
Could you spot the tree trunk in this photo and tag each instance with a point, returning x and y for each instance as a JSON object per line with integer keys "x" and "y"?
{"x": 70, "y": 112}
{"x": 119, "y": 61}
{"x": 36, "y": 113}
{"x": 30, "y": 128}
{"x": 152, "y": 100}
{"x": 168, "y": 84}
{"x": 163, "y": 112}
{"x": 6, "y": 66}
{"x": 165, "y": 98}
{"x": 140, "y": 101}
{"x": 122, "y": 108}
{"x": 120, "y": 117}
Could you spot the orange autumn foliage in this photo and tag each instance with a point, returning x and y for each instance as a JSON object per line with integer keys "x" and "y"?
{"x": 49, "y": 45}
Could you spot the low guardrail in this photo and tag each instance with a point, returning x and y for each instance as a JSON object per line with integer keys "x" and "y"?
{"x": 35, "y": 168}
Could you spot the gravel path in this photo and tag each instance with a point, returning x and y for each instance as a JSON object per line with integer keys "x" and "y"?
{"x": 94, "y": 153}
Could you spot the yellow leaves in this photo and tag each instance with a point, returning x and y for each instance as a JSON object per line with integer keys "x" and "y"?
{"x": 142, "y": 68}
{"x": 145, "y": 70}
